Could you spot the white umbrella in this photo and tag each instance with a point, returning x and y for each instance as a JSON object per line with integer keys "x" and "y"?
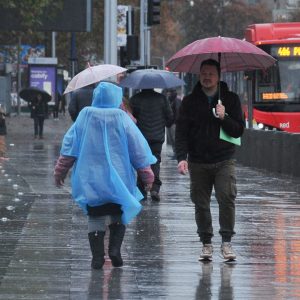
{"x": 92, "y": 75}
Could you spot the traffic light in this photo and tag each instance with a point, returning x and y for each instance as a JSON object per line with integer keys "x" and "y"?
{"x": 130, "y": 52}
{"x": 123, "y": 57}
{"x": 153, "y": 16}
{"x": 132, "y": 47}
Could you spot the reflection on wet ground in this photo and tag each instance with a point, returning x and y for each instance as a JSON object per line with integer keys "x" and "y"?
{"x": 45, "y": 253}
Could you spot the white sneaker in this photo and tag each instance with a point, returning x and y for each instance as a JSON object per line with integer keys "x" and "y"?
{"x": 227, "y": 251}
{"x": 207, "y": 252}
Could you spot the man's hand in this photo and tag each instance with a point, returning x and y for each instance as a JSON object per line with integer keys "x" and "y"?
{"x": 220, "y": 110}
{"x": 183, "y": 167}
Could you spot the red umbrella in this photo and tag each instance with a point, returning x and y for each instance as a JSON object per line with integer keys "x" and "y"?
{"x": 233, "y": 55}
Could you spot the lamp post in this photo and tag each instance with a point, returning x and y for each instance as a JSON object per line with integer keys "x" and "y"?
{"x": 110, "y": 32}
{"x": 19, "y": 76}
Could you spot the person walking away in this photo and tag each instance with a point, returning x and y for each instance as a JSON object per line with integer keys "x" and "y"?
{"x": 80, "y": 99}
{"x": 153, "y": 113}
{"x": 39, "y": 111}
{"x": 83, "y": 97}
{"x": 105, "y": 147}
{"x": 56, "y": 106}
{"x": 3, "y": 133}
{"x": 209, "y": 159}
{"x": 62, "y": 107}
{"x": 175, "y": 103}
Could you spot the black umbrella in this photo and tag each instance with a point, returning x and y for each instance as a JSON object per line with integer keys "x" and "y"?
{"x": 29, "y": 94}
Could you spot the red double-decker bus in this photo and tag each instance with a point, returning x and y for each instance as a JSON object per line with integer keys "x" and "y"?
{"x": 276, "y": 92}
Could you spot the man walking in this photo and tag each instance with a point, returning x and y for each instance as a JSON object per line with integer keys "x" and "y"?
{"x": 175, "y": 103}
{"x": 80, "y": 99}
{"x": 153, "y": 113}
{"x": 209, "y": 159}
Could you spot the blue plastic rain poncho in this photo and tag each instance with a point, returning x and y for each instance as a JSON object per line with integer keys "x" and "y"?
{"x": 108, "y": 148}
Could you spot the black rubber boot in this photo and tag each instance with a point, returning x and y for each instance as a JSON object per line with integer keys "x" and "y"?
{"x": 96, "y": 240}
{"x": 117, "y": 232}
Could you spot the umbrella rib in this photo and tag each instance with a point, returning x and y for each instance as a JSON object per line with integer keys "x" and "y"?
{"x": 93, "y": 73}
{"x": 258, "y": 61}
{"x": 223, "y": 58}
{"x": 194, "y": 62}
{"x": 253, "y": 57}
{"x": 243, "y": 60}
{"x": 182, "y": 62}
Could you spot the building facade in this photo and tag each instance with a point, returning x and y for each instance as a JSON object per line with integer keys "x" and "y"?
{"x": 281, "y": 9}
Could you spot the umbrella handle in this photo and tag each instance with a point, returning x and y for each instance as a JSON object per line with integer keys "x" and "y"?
{"x": 214, "y": 110}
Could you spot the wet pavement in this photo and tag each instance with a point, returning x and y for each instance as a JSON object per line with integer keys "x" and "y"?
{"x": 45, "y": 254}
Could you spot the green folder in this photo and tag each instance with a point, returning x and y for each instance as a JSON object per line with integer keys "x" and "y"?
{"x": 224, "y": 136}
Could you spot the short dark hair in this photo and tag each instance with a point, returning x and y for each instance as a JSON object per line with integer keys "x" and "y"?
{"x": 211, "y": 62}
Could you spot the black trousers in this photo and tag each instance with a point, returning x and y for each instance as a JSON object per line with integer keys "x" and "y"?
{"x": 38, "y": 125}
{"x": 156, "y": 151}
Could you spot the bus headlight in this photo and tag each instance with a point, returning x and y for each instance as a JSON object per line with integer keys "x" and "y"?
{"x": 260, "y": 125}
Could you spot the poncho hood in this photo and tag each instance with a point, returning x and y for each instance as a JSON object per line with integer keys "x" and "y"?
{"x": 107, "y": 95}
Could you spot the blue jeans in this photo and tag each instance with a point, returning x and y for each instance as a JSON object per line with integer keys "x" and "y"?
{"x": 156, "y": 149}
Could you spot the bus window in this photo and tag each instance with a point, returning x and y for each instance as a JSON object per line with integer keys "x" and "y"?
{"x": 266, "y": 84}
{"x": 290, "y": 79}
{"x": 280, "y": 83}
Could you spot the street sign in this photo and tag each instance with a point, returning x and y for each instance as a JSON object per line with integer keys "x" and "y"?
{"x": 131, "y": 68}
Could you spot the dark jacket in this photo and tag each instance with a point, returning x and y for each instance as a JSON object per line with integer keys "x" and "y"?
{"x": 2, "y": 123}
{"x": 197, "y": 129}
{"x": 80, "y": 99}
{"x": 38, "y": 109}
{"x": 175, "y": 103}
{"x": 153, "y": 113}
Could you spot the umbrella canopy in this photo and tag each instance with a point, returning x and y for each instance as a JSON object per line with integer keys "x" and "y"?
{"x": 150, "y": 79}
{"x": 92, "y": 75}
{"x": 233, "y": 55}
{"x": 29, "y": 94}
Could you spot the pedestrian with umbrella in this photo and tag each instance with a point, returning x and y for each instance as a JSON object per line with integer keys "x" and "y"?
{"x": 175, "y": 103}
{"x": 211, "y": 161}
{"x": 38, "y": 105}
{"x": 210, "y": 122}
{"x": 38, "y": 111}
{"x": 82, "y": 86}
{"x": 153, "y": 113}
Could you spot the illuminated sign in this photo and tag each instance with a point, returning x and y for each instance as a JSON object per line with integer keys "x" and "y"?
{"x": 285, "y": 51}
{"x": 274, "y": 96}
{"x": 43, "y": 77}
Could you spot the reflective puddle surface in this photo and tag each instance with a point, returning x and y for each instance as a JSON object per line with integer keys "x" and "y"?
{"x": 45, "y": 252}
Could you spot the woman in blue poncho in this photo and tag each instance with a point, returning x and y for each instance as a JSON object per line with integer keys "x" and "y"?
{"x": 105, "y": 147}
